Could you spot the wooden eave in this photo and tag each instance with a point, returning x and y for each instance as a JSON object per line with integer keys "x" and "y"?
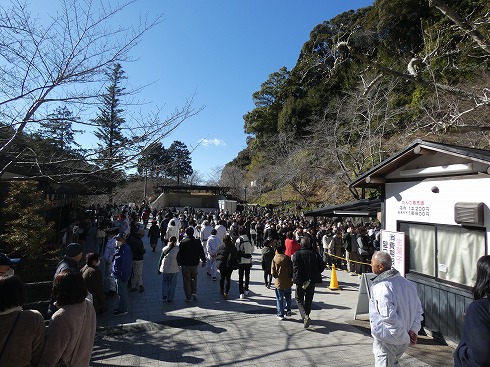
{"x": 376, "y": 176}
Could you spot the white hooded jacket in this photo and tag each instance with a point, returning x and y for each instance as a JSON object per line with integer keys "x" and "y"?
{"x": 394, "y": 308}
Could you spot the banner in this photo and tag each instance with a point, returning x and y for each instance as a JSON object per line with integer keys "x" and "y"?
{"x": 394, "y": 244}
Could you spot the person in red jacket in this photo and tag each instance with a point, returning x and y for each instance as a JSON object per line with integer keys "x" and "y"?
{"x": 291, "y": 244}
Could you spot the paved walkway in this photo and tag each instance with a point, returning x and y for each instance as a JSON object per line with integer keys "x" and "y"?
{"x": 215, "y": 332}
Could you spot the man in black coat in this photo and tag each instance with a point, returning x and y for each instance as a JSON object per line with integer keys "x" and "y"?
{"x": 190, "y": 252}
{"x": 307, "y": 270}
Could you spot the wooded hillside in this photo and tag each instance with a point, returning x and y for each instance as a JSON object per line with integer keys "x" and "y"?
{"x": 366, "y": 83}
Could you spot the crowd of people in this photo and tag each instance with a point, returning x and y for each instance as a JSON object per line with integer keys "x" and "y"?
{"x": 294, "y": 253}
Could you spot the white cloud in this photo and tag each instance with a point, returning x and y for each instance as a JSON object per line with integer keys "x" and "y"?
{"x": 208, "y": 142}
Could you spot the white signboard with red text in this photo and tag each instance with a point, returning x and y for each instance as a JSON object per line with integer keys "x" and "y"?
{"x": 394, "y": 244}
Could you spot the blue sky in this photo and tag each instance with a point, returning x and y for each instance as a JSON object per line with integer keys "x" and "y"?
{"x": 222, "y": 51}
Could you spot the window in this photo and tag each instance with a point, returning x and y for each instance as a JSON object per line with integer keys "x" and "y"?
{"x": 422, "y": 247}
{"x": 445, "y": 252}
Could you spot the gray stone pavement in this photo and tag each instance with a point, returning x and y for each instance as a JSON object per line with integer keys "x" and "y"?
{"x": 215, "y": 332}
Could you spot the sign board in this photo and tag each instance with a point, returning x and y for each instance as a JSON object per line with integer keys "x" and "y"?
{"x": 394, "y": 244}
{"x": 414, "y": 209}
{"x": 363, "y": 294}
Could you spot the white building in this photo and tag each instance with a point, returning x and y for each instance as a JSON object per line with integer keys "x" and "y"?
{"x": 438, "y": 195}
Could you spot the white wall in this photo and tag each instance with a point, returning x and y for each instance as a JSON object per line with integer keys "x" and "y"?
{"x": 414, "y": 201}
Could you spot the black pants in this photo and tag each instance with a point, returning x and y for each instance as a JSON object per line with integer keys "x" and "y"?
{"x": 304, "y": 298}
{"x": 243, "y": 270}
{"x": 267, "y": 277}
{"x": 225, "y": 280}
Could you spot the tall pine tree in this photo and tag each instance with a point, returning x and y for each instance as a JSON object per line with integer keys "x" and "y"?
{"x": 181, "y": 163}
{"x": 110, "y": 122}
{"x": 57, "y": 129}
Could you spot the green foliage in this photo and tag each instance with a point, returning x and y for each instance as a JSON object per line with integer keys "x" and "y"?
{"x": 180, "y": 162}
{"x": 110, "y": 121}
{"x": 154, "y": 161}
{"x": 57, "y": 129}
{"x": 354, "y": 96}
{"x": 26, "y": 231}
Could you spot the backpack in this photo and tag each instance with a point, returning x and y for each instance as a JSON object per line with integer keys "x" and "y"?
{"x": 241, "y": 250}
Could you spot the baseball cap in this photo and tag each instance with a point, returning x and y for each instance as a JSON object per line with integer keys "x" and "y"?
{"x": 5, "y": 260}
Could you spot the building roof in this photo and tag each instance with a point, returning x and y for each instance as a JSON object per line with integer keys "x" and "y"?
{"x": 359, "y": 208}
{"x": 376, "y": 175}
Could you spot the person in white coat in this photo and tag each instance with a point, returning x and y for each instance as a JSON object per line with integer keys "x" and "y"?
{"x": 212, "y": 245}
{"x": 170, "y": 269}
{"x": 395, "y": 312}
{"x": 172, "y": 230}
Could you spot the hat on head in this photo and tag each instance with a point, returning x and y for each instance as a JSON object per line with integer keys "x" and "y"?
{"x": 73, "y": 249}
{"x": 5, "y": 260}
{"x": 120, "y": 236}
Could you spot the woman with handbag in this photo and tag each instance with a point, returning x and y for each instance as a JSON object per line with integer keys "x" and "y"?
{"x": 71, "y": 330}
{"x": 227, "y": 260}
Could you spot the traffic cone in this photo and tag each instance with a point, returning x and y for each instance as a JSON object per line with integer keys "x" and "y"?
{"x": 334, "y": 285}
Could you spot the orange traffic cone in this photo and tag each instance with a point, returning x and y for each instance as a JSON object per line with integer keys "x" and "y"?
{"x": 334, "y": 285}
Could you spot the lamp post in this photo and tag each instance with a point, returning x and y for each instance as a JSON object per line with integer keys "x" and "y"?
{"x": 245, "y": 192}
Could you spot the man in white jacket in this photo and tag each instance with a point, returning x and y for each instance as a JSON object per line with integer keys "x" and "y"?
{"x": 212, "y": 245}
{"x": 395, "y": 312}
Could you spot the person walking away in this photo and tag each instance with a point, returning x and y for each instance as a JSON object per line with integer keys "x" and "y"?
{"x": 245, "y": 251}
{"x": 282, "y": 271}
{"x": 190, "y": 252}
{"x": 307, "y": 270}
{"x": 227, "y": 260}
{"x": 234, "y": 230}
{"x": 172, "y": 230}
{"x": 93, "y": 281}
{"x": 138, "y": 251}
{"x": 266, "y": 262}
{"x": 259, "y": 228}
{"x": 169, "y": 267}
{"x": 206, "y": 229}
{"x": 291, "y": 244}
{"x": 221, "y": 229}
{"x": 154, "y": 234}
{"x": 22, "y": 332}
{"x": 212, "y": 245}
{"x": 395, "y": 312}
{"x": 473, "y": 348}
{"x": 121, "y": 270}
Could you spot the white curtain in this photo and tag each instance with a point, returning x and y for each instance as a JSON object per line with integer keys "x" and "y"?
{"x": 458, "y": 252}
{"x": 421, "y": 240}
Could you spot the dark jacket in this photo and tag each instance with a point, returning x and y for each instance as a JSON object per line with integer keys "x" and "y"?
{"x": 65, "y": 264}
{"x": 307, "y": 265}
{"x": 190, "y": 251}
{"x": 154, "y": 233}
{"x": 226, "y": 257}
{"x": 267, "y": 256}
{"x": 473, "y": 349}
{"x": 137, "y": 247}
